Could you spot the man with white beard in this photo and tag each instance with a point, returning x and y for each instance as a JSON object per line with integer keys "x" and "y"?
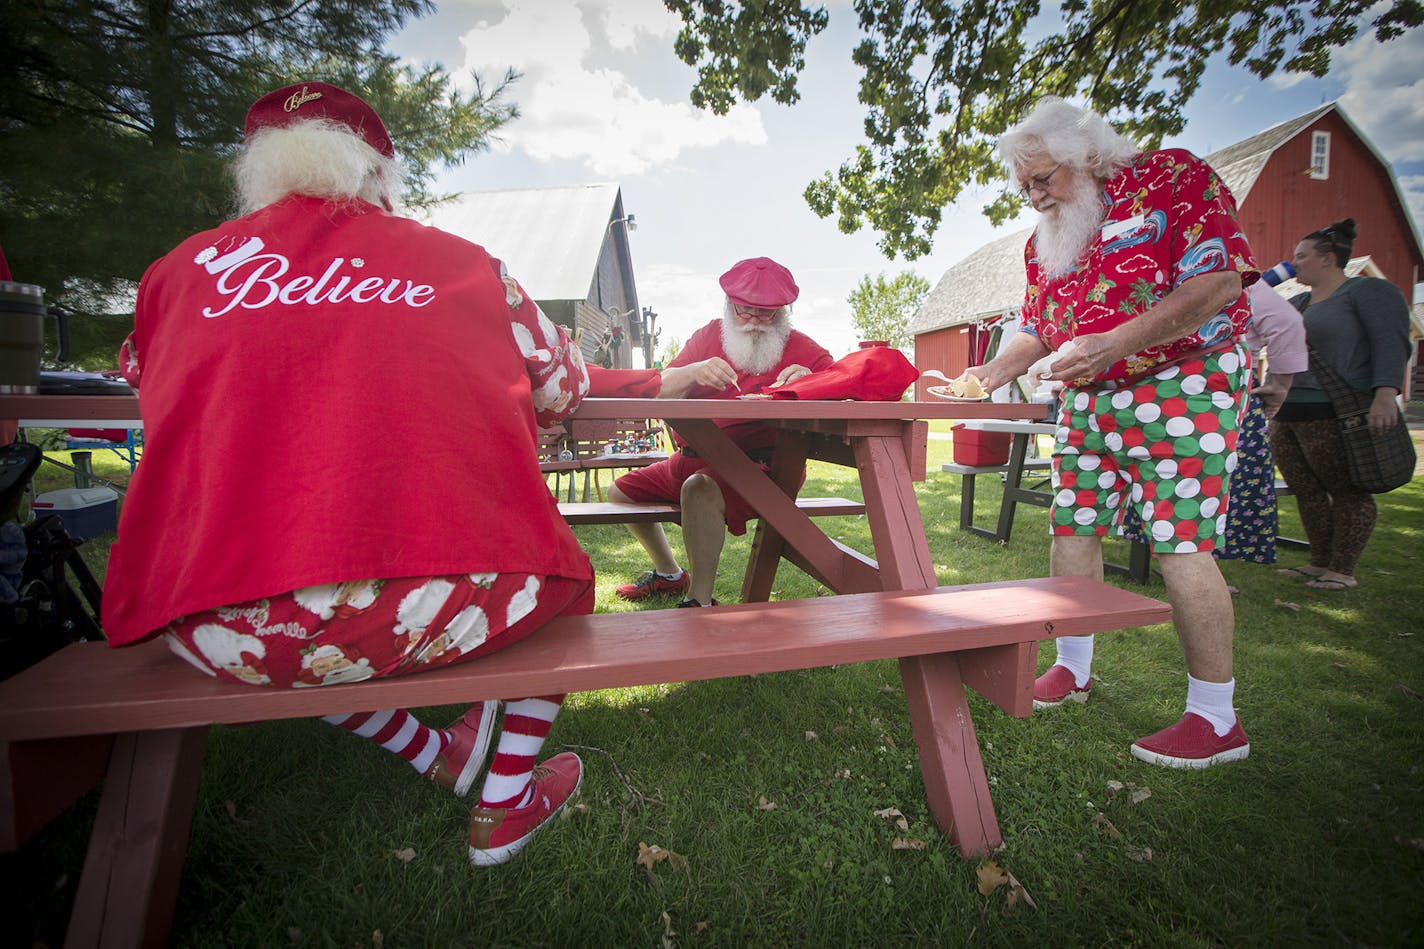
{"x": 1139, "y": 261}
{"x": 750, "y": 349}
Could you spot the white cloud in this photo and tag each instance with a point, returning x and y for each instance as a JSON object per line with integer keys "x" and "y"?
{"x": 573, "y": 111}
{"x": 1384, "y": 92}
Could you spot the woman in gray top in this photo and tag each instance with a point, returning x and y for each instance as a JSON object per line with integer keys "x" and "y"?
{"x": 1360, "y": 326}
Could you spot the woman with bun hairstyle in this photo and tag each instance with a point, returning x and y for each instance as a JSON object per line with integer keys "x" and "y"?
{"x": 1360, "y": 327}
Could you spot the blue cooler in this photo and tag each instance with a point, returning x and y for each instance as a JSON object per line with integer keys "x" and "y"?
{"x": 86, "y": 512}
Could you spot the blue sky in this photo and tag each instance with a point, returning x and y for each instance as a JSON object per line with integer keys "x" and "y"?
{"x": 604, "y": 98}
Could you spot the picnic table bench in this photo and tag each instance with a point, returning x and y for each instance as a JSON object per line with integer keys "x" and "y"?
{"x": 613, "y": 512}
{"x": 138, "y": 717}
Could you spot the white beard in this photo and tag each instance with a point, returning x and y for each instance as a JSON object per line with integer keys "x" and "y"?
{"x": 755, "y": 348}
{"x": 1066, "y": 229}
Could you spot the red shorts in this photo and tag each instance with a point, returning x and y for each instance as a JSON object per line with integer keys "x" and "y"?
{"x": 347, "y": 632}
{"x": 661, "y": 482}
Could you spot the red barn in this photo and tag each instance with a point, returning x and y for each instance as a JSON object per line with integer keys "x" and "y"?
{"x": 1289, "y": 180}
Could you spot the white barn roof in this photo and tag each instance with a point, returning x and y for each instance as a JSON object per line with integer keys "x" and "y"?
{"x": 988, "y": 282}
{"x": 549, "y": 238}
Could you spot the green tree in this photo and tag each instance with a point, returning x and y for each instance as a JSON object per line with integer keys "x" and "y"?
{"x": 117, "y": 118}
{"x": 882, "y": 308}
{"x": 941, "y": 80}
{"x": 670, "y": 350}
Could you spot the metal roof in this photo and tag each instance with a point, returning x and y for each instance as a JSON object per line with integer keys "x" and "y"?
{"x": 1240, "y": 165}
{"x": 988, "y": 282}
{"x": 549, "y": 238}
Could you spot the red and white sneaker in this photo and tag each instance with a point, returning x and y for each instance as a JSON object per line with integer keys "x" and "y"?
{"x": 1057, "y": 686}
{"x": 653, "y": 583}
{"x": 1192, "y": 743}
{"x": 456, "y": 768}
{"x": 497, "y": 833}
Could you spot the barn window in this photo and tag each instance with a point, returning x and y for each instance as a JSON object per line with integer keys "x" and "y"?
{"x": 1320, "y": 155}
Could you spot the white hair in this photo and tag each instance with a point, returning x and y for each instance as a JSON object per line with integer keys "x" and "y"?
{"x": 1075, "y": 136}
{"x": 755, "y": 347}
{"x": 319, "y": 158}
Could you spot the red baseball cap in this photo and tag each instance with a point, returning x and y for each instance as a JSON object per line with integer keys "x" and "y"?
{"x": 760, "y": 282}
{"x": 318, "y": 100}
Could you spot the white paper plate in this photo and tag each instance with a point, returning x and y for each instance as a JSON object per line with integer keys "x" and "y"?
{"x": 942, "y": 392}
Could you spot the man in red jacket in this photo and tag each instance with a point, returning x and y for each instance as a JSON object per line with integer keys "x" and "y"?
{"x": 261, "y": 546}
{"x": 750, "y": 349}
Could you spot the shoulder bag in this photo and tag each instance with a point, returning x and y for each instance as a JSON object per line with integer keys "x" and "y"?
{"x": 1378, "y": 463}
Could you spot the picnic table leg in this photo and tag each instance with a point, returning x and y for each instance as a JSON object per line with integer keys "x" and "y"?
{"x": 768, "y": 545}
{"x": 1012, "y": 487}
{"x": 901, "y": 547}
{"x": 953, "y": 770}
{"x": 130, "y": 882}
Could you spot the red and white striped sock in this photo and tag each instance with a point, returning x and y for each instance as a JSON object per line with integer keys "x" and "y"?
{"x": 526, "y": 725}
{"x": 395, "y": 729}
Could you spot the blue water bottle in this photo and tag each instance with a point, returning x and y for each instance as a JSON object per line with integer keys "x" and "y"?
{"x": 1281, "y": 271}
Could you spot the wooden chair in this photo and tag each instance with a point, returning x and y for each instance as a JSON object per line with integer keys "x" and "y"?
{"x": 612, "y": 444}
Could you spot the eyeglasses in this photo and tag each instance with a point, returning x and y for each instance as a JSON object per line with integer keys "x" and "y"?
{"x": 1039, "y": 183}
{"x": 756, "y": 312}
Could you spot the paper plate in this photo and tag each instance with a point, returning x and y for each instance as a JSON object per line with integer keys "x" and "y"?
{"x": 942, "y": 392}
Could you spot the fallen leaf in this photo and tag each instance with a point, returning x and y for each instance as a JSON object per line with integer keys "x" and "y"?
{"x": 1114, "y": 787}
{"x": 1288, "y": 605}
{"x": 907, "y": 843}
{"x": 1138, "y": 795}
{"x": 1100, "y": 821}
{"x": 843, "y": 774}
{"x": 1416, "y": 842}
{"x": 1338, "y": 665}
{"x": 377, "y": 940}
{"x": 812, "y": 736}
{"x": 700, "y": 926}
{"x": 654, "y": 855}
{"x": 764, "y": 805}
{"x": 667, "y": 926}
{"x": 646, "y": 713}
{"x": 991, "y": 877}
{"x": 893, "y": 815}
{"x": 404, "y": 856}
{"x": 1140, "y": 854}
{"x": 1016, "y": 893}
{"x": 889, "y": 690}
{"x": 581, "y": 807}
{"x": 231, "y": 809}
{"x": 887, "y": 740}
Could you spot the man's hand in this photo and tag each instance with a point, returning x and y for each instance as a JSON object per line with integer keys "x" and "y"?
{"x": 1272, "y": 392}
{"x": 713, "y": 372}
{"x": 790, "y": 374}
{"x": 1089, "y": 356}
{"x": 1384, "y": 413}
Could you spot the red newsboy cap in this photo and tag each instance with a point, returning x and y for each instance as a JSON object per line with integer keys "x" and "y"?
{"x": 319, "y": 100}
{"x": 761, "y": 282}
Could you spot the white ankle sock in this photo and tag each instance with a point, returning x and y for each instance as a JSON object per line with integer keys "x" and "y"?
{"x": 1212, "y": 701}
{"x": 1075, "y": 653}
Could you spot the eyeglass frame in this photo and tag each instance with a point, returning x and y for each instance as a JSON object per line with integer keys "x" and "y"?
{"x": 1039, "y": 182}
{"x": 748, "y": 312}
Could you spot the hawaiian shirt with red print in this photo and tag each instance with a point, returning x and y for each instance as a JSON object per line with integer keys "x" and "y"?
{"x": 1169, "y": 218}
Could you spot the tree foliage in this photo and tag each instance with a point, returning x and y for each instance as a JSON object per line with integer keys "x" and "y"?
{"x": 941, "y": 80}
{"x": 882, "y": 309}
{"x": 117, "y": 118}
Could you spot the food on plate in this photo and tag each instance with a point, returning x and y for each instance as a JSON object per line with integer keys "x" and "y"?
{"x": 967, "y": 386}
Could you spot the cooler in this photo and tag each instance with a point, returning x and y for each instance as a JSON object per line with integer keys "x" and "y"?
{"x": 86, "y": 512}
{"x": 979, "y": 448}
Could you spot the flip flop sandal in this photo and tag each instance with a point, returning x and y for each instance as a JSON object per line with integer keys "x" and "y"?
{"x": 1320, "y": 583}
{"x": 1298, "y": 572}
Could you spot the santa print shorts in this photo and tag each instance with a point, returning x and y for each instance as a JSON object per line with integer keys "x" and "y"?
{"x": 1167, "y": 444}
{"x": 347, "y": 632}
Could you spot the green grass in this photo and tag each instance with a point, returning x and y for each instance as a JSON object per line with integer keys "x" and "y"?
{"x": 1315, "y": 840}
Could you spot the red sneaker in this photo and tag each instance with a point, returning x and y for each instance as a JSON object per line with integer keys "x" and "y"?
{"x": 497, "y": 833}
{"x": 1057, "y": 686}
{"x": 456, "y": 768}
{"x": 653, "y": 583}
{"x": 1192, "y": 743}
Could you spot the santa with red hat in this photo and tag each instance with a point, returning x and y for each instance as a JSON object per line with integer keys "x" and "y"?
{"x": 750, "y": 351}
